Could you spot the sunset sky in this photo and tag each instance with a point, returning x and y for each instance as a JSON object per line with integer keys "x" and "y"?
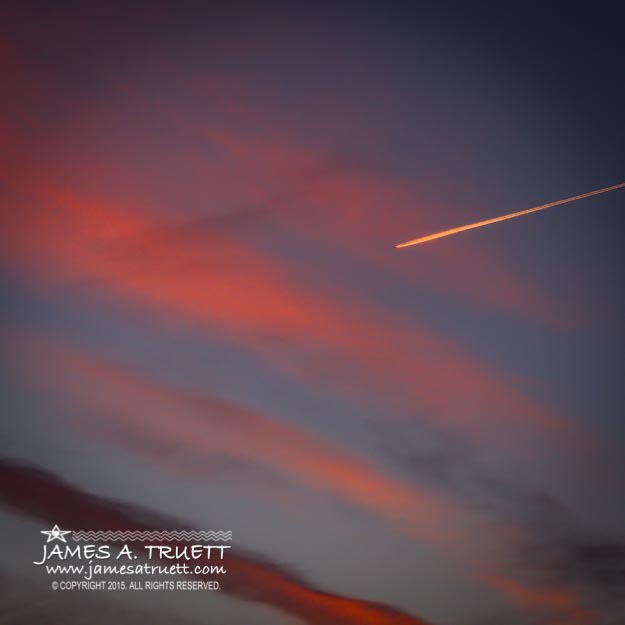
{"x": 204, "y": 318}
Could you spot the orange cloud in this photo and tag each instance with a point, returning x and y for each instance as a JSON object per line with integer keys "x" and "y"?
{"x": 220, "y": 282}
{"x": 560, "y": 606}
{"x": 351, "y": 209}
{"x": 265, "y": 303}
{"x": 200, "y": 423}
{"x": 209, "y": 425}
{"x": 40, "y": 494}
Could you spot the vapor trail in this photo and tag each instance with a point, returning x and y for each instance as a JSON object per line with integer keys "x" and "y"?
{"x": 494, "y": 220}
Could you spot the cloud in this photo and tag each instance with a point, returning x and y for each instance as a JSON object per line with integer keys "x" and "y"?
{"x": 210, "y": 435}
{"x": 344, "y": 203}
{"x": 318, "y": 334}
{"x": 561, "y": 606}
{"x": 230, "y": 145}
{"x": 556, "y": 548}
{"x": 36, "y": 493}
{"x": 555, "y": 565}
{"x": 147, "y": 209}
{"x": 203, "y": 433}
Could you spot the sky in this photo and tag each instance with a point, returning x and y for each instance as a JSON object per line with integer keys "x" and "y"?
{"x": 204, "y": 321}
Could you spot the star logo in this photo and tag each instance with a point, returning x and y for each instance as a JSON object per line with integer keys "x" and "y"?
{"x": 56, "y": 533}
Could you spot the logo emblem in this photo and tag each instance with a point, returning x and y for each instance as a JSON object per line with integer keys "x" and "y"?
{"x": 56, "y": 533}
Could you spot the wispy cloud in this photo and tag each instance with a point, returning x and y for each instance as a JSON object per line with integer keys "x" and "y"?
{"x": 210, "y": 435}
{"x": 201, "y": 432}
{"x": 257, "y": 301}
{"x": 42, "y": 495}
{"x": 555, "y": 565}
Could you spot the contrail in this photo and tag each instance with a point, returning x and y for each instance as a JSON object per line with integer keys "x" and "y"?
{"x": 494, "y": 220}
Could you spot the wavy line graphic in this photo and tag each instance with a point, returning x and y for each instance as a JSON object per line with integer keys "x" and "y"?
{"x": 143, "y": 536}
